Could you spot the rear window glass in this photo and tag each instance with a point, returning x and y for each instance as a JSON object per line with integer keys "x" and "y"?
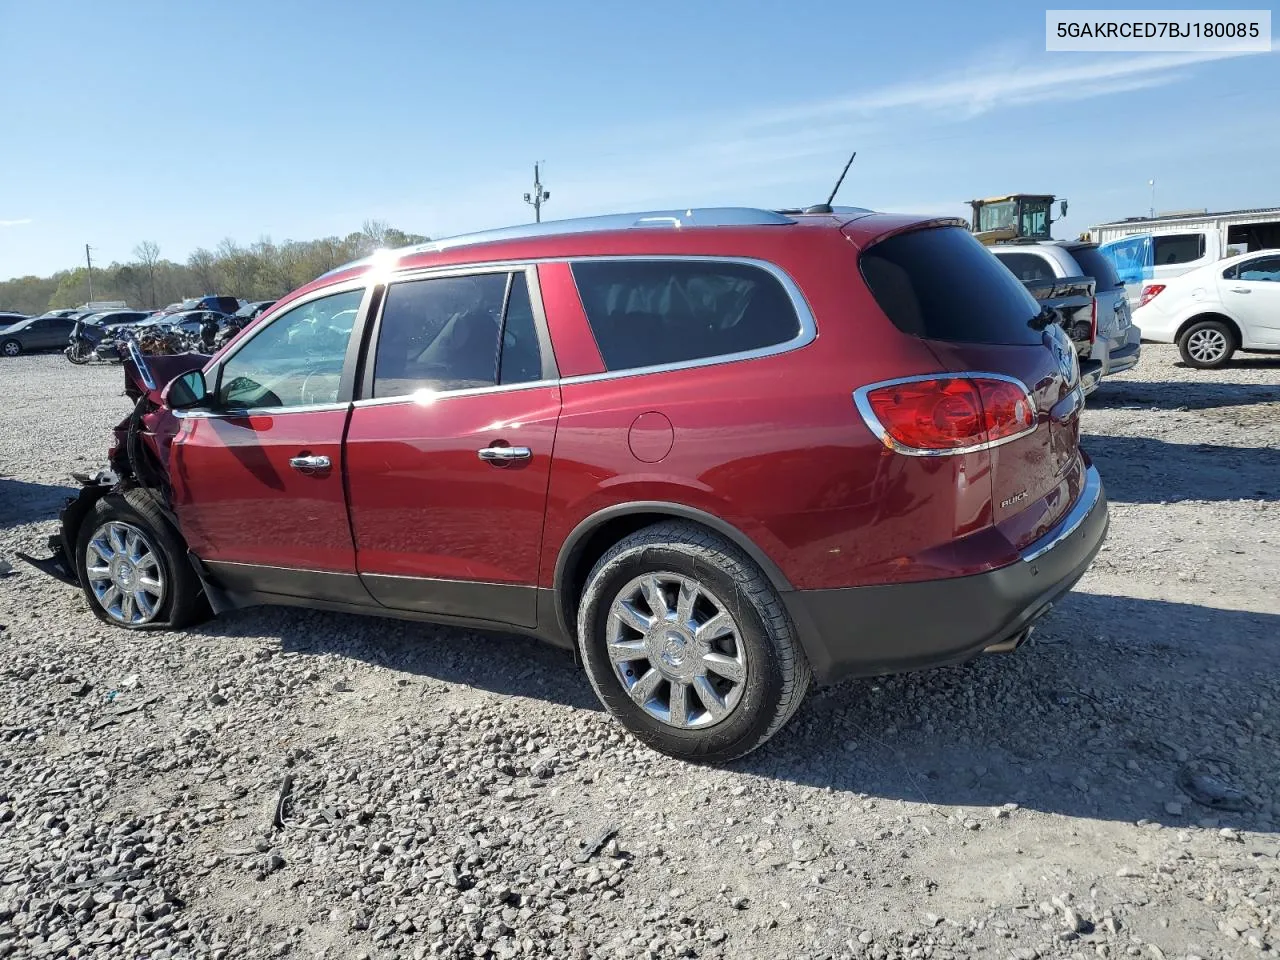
{"x": 1093, "y": 263}
{"x": 1179, "y": 248}
{"x": 1027, "y": 267}
{"x": 649, "y": 312}
{"x": 941, "y": 284}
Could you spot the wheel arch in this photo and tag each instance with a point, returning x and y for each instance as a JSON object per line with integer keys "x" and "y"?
{"x": 1210, "y": 315}
{"x": 589, "y": 540}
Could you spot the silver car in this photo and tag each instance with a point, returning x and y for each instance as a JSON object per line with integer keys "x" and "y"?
{"x": 1119, "y": 343}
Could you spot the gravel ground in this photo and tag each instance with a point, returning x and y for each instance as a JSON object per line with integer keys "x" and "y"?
{"x": 1109, "y": 790}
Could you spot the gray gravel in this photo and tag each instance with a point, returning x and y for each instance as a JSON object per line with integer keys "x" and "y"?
{"x": 289, "y": 783}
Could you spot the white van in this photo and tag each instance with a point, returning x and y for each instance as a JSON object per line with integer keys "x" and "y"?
{"x": 1154, "y": 250}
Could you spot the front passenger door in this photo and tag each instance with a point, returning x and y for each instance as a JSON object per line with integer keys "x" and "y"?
{"x": 258, "y": 478}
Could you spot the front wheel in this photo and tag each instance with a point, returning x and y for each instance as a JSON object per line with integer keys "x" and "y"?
{"x": 1207, "y": 344}
{"x": 78, "y": 353}
{"x": 133, "y": 566}
{"x": 10, "y": 348}
{"x": 687, "y": 644}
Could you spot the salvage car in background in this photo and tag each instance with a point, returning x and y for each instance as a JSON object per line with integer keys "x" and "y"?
{"x": 1115, "y": 343}
{"x": 381, "y": 442}
{"x": 1215, "y": 310}
{"x": 37, "y": 333}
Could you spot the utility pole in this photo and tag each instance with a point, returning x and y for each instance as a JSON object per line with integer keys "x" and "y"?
{"x": 1152, "y": 185}
{"x": 538, "y": 197}
{"x": 89, "y": 261}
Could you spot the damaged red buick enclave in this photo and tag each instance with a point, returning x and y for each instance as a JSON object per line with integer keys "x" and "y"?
{"x": 720, "y": 453}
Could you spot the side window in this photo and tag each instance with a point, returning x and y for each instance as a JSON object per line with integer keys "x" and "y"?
{"x": 1179, "y": 248}
{"x": 1266, "y": 269}
{"x": 439, "y": 334}
{"x": 521, "y": 360}
{"x": 644, "y": 313}
{"x": 296, "y": 360}
{"x": 1027, "y": 267}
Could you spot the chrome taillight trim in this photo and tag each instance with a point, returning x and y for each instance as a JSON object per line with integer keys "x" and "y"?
{"x": 873, "y": 423}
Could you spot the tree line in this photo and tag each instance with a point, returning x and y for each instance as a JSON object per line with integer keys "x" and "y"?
{"x": 260, "y": 271}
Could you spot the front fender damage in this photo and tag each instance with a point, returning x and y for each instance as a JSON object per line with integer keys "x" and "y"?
{"x": 60, "y": 565}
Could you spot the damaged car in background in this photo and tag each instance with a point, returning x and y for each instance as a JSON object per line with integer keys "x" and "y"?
{"x": 721, "y": 454}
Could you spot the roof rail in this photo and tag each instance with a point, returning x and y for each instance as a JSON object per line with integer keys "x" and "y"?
{"x": 654, "y": 219}
{"x": 676, "y": 219}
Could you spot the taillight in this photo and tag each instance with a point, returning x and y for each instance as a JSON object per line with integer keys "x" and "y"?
{"x": 947, "y": 413}
{"x": 1150, "y": 292}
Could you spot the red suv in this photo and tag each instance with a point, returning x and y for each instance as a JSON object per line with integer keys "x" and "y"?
{"x": 721, "y": 453}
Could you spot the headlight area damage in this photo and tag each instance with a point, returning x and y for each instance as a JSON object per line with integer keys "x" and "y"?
{"x": 138, "y": 459}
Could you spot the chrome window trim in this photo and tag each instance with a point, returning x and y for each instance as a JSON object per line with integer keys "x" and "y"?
{"x": 434, "y": 396}
{"x": 240, "y": 414}
{"x": 1072, "y": 522}
{"x": 808, "y": 331}
{"x": 873, "y": 422}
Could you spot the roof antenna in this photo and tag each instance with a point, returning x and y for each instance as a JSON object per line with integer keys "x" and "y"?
{"x": 826, "y": 207}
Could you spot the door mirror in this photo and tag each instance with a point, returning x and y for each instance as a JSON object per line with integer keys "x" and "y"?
{"x": 1062, "y": 209}
{"x": 186, "y": 391}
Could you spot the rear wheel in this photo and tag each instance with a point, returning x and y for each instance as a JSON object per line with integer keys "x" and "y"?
{"x": 1207, "y": 344}
{"x": 10, "y": 348}
{"x": 133, "y": 566}
{"x": 686, "y": 643}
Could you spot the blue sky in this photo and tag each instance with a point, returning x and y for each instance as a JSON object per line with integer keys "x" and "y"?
{"x": 184, "y": 123}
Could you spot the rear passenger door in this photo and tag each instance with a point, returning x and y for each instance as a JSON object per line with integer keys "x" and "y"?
{"x": 1251, "y": 292}
{"x": 449, "y": 448}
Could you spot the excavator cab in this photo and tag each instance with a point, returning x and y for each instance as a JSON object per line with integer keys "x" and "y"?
{"x": 1018, "y": 216}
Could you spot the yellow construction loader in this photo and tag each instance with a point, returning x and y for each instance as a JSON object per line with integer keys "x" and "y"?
{"x": 1018, "y": 216}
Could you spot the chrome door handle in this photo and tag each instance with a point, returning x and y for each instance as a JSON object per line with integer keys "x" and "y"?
{"x": 504, "y": 454}
{"x": 309, "y": 464}
{"x": 1241, "y": 290}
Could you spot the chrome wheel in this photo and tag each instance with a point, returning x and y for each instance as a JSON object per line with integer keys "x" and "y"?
{"x": 676, "y": 650}
{"x": 125, "y": 573}
{"x": 1208, "y": 345}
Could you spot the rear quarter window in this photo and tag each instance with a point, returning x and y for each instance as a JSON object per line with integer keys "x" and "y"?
{"x": 646, "y": 313}
{"x": 940, "y": 283}
{"x": 1094, "y": 264}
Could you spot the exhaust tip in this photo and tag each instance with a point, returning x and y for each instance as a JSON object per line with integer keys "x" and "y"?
{"x": 1010, "y": 645}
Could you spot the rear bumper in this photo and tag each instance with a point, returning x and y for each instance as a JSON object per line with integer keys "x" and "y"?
{"x": 1125, "y": 357}
{"x": 895, "y": 628}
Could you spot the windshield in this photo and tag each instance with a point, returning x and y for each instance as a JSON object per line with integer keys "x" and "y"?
{"x": 996, "y": 215}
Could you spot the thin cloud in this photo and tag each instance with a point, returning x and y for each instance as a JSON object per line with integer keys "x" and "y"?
{"x": 1011, "y": 84}
{"x": 15, "y": 223}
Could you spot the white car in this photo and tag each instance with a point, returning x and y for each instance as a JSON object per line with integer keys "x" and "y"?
{"x": 1213, "y": 311}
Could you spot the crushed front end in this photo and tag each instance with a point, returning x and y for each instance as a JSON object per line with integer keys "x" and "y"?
{"x": 139, "y": 457}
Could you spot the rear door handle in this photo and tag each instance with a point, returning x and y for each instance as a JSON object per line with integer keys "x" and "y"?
{"x": 504, "y": 454}
{"x": 1241, "y": 290}
{"x": 309, "y": 464}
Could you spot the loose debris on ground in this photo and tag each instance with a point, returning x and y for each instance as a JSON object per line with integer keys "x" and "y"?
{"x": 290, "y": 783}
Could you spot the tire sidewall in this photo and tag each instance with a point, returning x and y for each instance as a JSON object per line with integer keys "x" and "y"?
{"x": 110, "y": 508}
{"x": 752, "y": 716}
{"x": 1185, "y": 340}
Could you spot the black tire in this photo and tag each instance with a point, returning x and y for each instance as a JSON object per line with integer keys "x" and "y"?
{"x": 183, "y": 602}
{"x": 10, "y": 348}
{"x": 777, "y": 675}
{"x": 1197, "y": 344}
